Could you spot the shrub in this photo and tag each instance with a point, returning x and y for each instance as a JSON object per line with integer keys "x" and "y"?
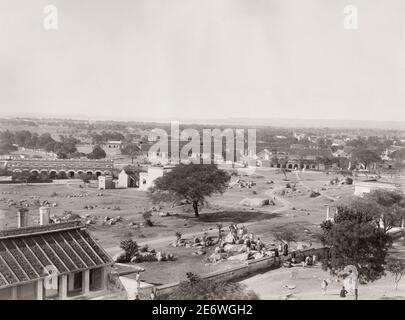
{"x": 147, "y": 217}
{"x": 130, "y": 247}
{"x": 349, "y": 180}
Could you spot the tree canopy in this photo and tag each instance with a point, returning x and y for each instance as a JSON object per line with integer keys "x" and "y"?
{"x": 355, "y": 239}
{"x": 191, "y": 182}
{"x": 366, "y": 157}
{"x": 132, "y": 150}
{"x": 97, "y": 153}
{"x": 196, "y": 288}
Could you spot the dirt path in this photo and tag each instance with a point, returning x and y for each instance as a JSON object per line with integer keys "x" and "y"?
{"x": 287, "y": 205}
{"x": 310, "y": 189}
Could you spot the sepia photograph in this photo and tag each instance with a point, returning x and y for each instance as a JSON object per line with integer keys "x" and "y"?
{"x": 210, "y": 150}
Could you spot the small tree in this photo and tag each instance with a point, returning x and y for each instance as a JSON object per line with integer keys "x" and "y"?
{"x": 397, "y": 269}
{"x": 192, "y": 182}
{"x": 147, "y": 217}
{"x": 286, "y": 236}
{"x": 130, "y": 247}
{"x": 132, "y": 150}
{"x": 195, "y": 288}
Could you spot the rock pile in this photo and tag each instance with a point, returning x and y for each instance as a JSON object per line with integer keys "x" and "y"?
{"x": 242, "y": 184}
{"x": 256, "y": 202}
{"x": 240, "y": 245}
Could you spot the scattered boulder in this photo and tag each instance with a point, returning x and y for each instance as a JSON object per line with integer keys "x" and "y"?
{"x": 120, "y": 257}
{"x": 239, "y": 257}
{"x": 254, "y": 202}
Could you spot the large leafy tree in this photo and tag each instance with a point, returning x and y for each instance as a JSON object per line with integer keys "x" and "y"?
{"x": 365, "y": 156}
{"x": 196, "y": 288}
{"x": 132, "y": 150}
{"x": 355, "y": 239}
{"x": 191, "y": 182}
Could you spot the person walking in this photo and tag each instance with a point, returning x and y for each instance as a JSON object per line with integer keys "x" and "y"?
{"x": 324, "y": 286}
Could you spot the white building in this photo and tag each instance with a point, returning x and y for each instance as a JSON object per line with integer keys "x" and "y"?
{"x": 146, "y": 179}
{"x": 126, "y": 180}
{"x": 105, "y": 182}
{"x": 362, "y": 187}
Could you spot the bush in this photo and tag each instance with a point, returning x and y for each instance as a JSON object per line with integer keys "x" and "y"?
{"x": 314, "y": 194}
{"x": 349, "y": 180}
{"x": 130, "y": 247}
{"x": 195, "y": 288}
{"x": 147, "y": 217}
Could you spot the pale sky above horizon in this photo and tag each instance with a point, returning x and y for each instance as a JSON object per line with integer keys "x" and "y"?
{"x": 180, "y": 59}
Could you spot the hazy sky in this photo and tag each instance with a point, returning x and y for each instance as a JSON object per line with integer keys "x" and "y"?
{"x": 178, "y": 59}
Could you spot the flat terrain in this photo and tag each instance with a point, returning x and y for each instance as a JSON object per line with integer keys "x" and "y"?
{"x": 295, "y": 210}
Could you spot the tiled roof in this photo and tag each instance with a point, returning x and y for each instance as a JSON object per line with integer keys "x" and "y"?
{"x": 25, "y": 252}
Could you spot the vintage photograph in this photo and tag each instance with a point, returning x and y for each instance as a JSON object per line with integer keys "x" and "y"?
{"x": 202, "y": 150}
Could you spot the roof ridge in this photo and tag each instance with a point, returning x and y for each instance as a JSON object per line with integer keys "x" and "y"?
{"x": 38, "y": 229}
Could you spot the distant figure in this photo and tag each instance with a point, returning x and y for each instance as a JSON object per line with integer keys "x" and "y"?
{"x": 138, "y": 281}
{"x": 136, "y": 297}
{"x": 314, "y": 259}
{"x": 285, "y": 249}
{"x": 153, "y": 294}
{"x": 324, "y": 286}
{"x": 343, "y": 292}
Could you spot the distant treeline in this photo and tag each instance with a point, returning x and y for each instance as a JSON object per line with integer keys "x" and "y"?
{"x": 10, "y": 141}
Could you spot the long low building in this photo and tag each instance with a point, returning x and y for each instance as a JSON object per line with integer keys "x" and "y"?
{"x": 311, "y": 159}
{"x": 51, "y": 261}
{"x": 68, "y": 167}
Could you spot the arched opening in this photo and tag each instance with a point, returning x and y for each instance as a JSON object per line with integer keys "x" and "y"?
{"x": 313, "y": 166}
{"x": 106, "y": 173}
{"x": 34, "y": 175}
{"x": 62, "y": 175}
{"x": 71, "y": 174}
{"x": 89, "y": 175}
{"x": 290, "y": 166}
{"x": 52, "y": 174}
{"x": 98, "y": 173}
{"x": 302, "y": 166}
{"x": 307, "y": 166}
{"x": 44, "y": 176}
{"x": 296, "y": 166}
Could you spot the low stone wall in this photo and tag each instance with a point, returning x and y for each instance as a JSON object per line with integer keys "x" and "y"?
{"x": 250, "y": 268}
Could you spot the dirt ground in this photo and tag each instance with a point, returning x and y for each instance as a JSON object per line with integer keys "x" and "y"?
{"x": 293, "y": 209}
{"x": 306, "y": 284}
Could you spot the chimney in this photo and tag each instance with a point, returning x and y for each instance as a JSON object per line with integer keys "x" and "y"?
{"x": 44, "y": 213}
{"x": 22, "y": 216}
